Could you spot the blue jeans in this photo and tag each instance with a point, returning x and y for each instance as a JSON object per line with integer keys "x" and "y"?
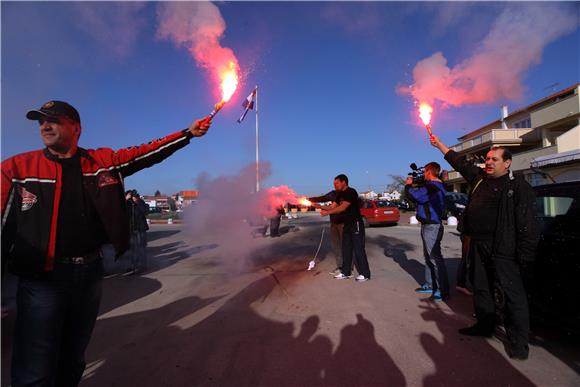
{"x": 431, "y": 235}
{"x": 54, "y": 322}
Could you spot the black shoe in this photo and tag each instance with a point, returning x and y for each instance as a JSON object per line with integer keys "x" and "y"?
{"x": 518, "y": 352}
{"x": 477, "y": 330}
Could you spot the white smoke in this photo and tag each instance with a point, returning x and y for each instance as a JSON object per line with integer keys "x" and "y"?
{"x": 229, "y": 210}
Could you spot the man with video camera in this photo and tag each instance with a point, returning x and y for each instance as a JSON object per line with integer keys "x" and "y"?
{"x": 427, "y": 191}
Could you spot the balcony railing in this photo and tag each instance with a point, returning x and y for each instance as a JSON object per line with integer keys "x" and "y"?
{"x": 495, "y": 136}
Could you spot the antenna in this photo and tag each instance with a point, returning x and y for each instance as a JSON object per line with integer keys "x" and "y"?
{"x": 552, "y": 86}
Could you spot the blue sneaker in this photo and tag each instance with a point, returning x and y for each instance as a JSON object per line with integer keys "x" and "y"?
{"x": 436, "y": 297}
{"x": 424, "y": 289}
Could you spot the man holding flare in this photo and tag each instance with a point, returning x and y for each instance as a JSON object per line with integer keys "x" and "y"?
{"x": 499, "y": 220}
{"x": 60, "y": 205}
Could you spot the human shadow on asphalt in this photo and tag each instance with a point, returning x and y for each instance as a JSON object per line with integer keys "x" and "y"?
{"x": 160, "y": 234}
{"x": 168, "y": 254}
{"x": 464, "y": 361}
{"x": 117, "y": 292}
{"x": 459, "y": 361}
{"x": 202, "y": 342}
{"x": 398, "y": 249}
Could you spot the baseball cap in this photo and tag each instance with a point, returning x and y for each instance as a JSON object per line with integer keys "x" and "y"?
{"x": 54, "y": 109}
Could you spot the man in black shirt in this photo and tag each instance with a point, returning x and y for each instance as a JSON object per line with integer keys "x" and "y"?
{"x": 353, "y": 238}
{"x": 499, "y": 221}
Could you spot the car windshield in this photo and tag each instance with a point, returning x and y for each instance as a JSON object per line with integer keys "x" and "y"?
{"x": 383, "y": 203}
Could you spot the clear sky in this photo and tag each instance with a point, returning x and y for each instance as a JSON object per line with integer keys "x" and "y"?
{"x": 327, "y": 72}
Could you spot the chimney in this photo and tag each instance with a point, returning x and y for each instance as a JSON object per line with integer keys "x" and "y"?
{"x": 504, "y": 114}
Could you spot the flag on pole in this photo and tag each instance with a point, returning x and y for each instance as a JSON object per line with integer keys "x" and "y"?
{"x": 248, "y": 104}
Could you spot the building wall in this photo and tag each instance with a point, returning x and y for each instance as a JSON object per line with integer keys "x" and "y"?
{"x": 569, "y": 140}
{"x": 557, "y": 111}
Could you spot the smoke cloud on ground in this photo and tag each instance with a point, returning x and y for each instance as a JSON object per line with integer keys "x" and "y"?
{"x": 495, "y": 71}
{"x": 228, "y": 207}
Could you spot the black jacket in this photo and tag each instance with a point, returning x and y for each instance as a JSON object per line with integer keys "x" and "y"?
{"x": 516, "y": 231}
{"x": 137, "y": 215}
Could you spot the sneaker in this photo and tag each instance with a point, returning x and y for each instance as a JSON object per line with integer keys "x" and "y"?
{"x": 424, "y": 289}
{"x": 335, "y": 272}
{"x": 437, "y": 296}
{"x": 362, "y": 278}
{"x": 342, "y": 276}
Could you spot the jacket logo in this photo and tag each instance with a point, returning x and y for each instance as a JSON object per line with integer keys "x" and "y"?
{"x": 28, "y": 199}
{"x": 107, "y": 178}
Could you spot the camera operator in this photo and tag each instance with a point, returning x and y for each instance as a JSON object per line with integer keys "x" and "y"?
{"x": 428, "y": 193}
{"x": 500, "y": 222}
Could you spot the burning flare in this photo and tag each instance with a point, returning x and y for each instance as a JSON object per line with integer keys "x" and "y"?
{"x": 425, "y": 111}
{"x": 229, "y": 81}
{"x": 304, "y": 202}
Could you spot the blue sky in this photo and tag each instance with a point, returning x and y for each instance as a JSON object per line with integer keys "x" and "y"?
{"x": 327, "y": 73}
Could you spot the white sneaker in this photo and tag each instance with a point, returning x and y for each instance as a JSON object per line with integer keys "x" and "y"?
{"x": 335, "y": 272}
{"x": 361, "y": 278}
{"x": 342, "y": 276}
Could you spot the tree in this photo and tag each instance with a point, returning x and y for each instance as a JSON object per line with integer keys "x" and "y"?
{"x": 172, "y": 204}
{"x": 157, "y": 193}
{"x": 397, "y": 183}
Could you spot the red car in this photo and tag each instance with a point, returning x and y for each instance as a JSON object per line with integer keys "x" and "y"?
{"x": 379, "y": 212}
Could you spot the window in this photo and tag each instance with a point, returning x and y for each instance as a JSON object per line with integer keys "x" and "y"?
{"x": 525, "y": 123}
{"x": 558, "y": 214}
{"x": 552, "y": 206}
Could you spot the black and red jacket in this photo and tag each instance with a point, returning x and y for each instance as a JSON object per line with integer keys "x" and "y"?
{"x": 31, "y": 190}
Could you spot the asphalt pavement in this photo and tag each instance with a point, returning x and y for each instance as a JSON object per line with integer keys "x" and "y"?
{"x": 207, "y": 315}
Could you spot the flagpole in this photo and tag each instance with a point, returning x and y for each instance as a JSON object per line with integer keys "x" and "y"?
{"x": 257, "y": 147}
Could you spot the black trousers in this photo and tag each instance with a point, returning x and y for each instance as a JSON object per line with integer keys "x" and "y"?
{"x": 353, "y": 241}
{"x": 498, "y": 280}
{"x": 275, "y": 226}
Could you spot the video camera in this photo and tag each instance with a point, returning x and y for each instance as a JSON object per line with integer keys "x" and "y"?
{"x": 418, "y": 174}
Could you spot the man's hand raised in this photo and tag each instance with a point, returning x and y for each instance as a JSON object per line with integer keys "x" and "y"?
{"x": 438, "y": 144}
{"x": 200, "y": 127}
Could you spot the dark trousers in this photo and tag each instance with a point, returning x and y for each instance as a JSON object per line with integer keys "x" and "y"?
{"x": 486, "y": 274}
{"x": 54, "y": 322}
{"x": 461, "y": 274}
{"x": 275, "y": 226}
{"x": 353, "y": 241}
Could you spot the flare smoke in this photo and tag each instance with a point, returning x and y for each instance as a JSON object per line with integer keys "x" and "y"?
{"x": 495, "y": 71}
